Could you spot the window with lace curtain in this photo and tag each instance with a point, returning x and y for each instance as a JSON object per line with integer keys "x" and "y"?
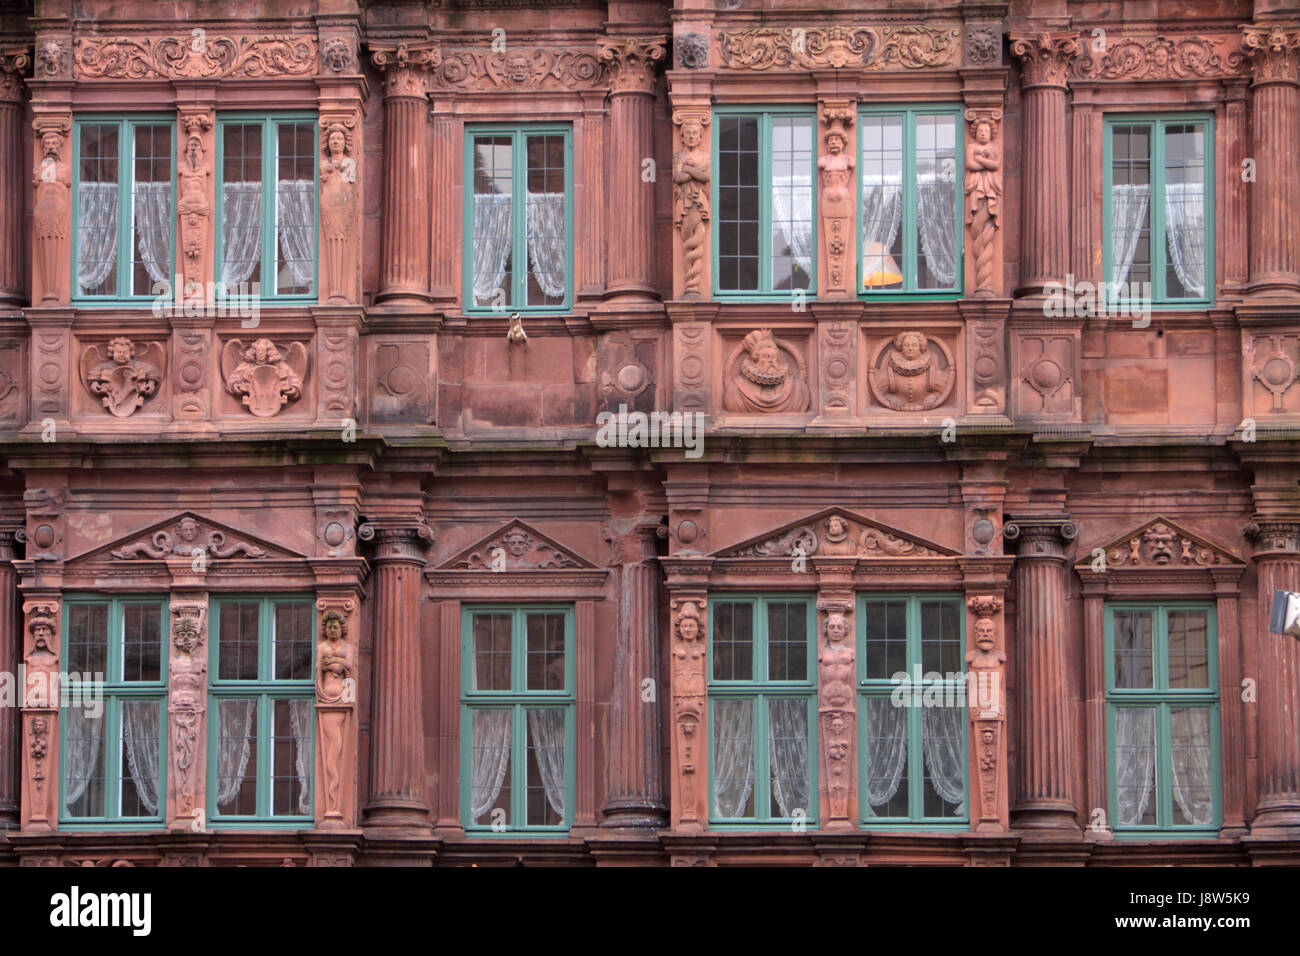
{"x": 764, "y": 198}
{"x": 1162, "y": 719}
{"x": 261, "y": 711}
{"x": 762, "y": 709}
{"x": 518, "y": 249}
{"x": 1158, "y": 212}
{"x": 910, "y": 174}
{"x": 517, "y": 718}
{"x": 113, "y": 756}
{"x": 123, "y": 218}
{"x": 267, "y": 168}
{"x": 912, "y": 710}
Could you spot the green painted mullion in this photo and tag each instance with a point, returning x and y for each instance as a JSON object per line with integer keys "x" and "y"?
{"x": 911, "y": 263}
{"x": 519, "y": 219}
{"x": 1164, "y": 769}
{"x": 1159, "y": 242}
{"x": 762, "y": 760}
{"x": 764, "y": 202}
{"x": 125, "y": 207}
{"x": 518, "y": 768}
{"x": 270, "y": 158}
{"x": 915, "y": 755}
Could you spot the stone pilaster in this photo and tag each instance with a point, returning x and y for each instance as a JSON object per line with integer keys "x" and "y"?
{"x": 1044, "y": 736}
{"x": 837, "y": 699}
{"x": 10, "y": 656}
{"x": 187, "y": 698}
{"x": 42, "y": 655}
{"x": 689, "y": 691}
{"x": 336, "y": 705}
{"x": 13, "y": 168}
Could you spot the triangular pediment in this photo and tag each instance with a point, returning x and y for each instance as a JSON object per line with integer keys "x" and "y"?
{"x": 516, "y": 546}
{"x": 853, "y": 536}
{"x": 1161, "y": 544}
{"x": 182, "y": 536}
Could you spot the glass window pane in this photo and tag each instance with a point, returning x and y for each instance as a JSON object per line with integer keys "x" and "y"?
{"x": 887, "y": 777}
{"x": 1189, "y": 649}
{"x": 943, "y": 732}
{"x": 546, "y": 785}
{"x": 787, "y": 740}
{"x": 291, "y": 758}
{"x": 139, "y": 794}
{"x": 936, "y": 202}
{"x": 737, "y": 219}
{"x": 1185, "y": 210}
{"x": 295, "y": 208}
{"x": 547, "y": 242}
{"x": 942, "y": 651}
{"x": 1135, "y": 766}
{"x": 792, "y": 214}
{"x": 1133, "y": 649}
{"x": 733, "y": 641}
{"x": 151, "y": 207}
{"x": 293, "y": 641}
{"x": 241, "y": 203}
{"x": 545, "y": 651}
{"x": 493, "y": 227}
{"x": 1130, "y": 209}
{"x": 83, "y": 760}
{"x": 141, "y": 642}
{"x": 490, "y": 767}
{"x": 87, "y": 640}
{"x": 1190, "y": 766}
{"x": 492, "y": 651}
{"x": 236, "y": 756}
{"x": 787, "y": 641}
{"x": 733, "y": 759}
{"x": 881, "y": 216}
{"x": 98, "y": 200}
{"x": 238, "y": 640}
{"x": 886, "y": 624}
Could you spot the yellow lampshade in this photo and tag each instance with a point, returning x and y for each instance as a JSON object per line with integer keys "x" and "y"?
{"x": 879, "y": 268}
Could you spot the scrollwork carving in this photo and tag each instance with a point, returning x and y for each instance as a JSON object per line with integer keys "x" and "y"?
{"x": 196, "y": 56}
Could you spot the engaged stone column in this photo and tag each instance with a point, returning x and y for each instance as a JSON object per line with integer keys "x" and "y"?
{"x": 629, "y": 224}
{"x": 1274, "y": 247}
{"x": 10, "y": 656}
{"x": 1044, "y": 771}
{"x": 635, "y": 789}
{"x": 397, "y": 797}
{"x": 404, "y": 260}
{"x": 13, "y": 169}
{"x": 1277, "y": 558}
{"x": 1045, "y": 221}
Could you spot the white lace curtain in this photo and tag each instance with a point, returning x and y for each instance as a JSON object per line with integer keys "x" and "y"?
{"x": 788, "y": 754}
{"x": 887, "y": 754}
{"x": 1189, "y": 728}
{"x": 153, "y": 228}
{"x": 546, "y": 733}
{"x": 733, "y": 756}
{"x": 140, "y": 741}
{"x": 234, "y": 747}
{"x": 1185, "y": 234}
{"x": 546, "y": 241}
{"x": 942, "y": 731}
{"x": 493, "y": 241}
{"x": 1135, "y": 762}
{"x": 1128, "y": 216}
{"x": 882, "y": 217}
{"x": 96, "y": 234}
{"x": 83, "y": 739}
{"x": 792, "y": 215}
{"x": 491, "y": 759}
{"x": 241, "y": 230}
{"x": 295, "y": 225}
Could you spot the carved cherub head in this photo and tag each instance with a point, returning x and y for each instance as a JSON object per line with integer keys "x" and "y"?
{"x": 262, "y": 352}
{"x": 121, "y": 350}
{"x": 334, "y": 626}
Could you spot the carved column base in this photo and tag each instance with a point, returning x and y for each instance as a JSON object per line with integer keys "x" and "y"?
{"x": 1044, "y": 815}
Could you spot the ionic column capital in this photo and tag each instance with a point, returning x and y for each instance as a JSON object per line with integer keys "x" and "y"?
{"x": 1040, "y": 536}
{"x": 397, "y": 541}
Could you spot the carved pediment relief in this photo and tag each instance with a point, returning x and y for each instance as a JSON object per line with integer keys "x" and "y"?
{"x": 1161, "y": 544}
{"x": 516, "y": 547}
{"x": 184, "y": 536}
{"x": 837, "y": 533}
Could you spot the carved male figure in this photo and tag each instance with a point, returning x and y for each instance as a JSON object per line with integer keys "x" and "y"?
{"x": 691, "y": 175}
{"x": 689, "y": 693}
{"x": 763, "y": 382}
{"x": 194, "y": 211}
{"x": 51, "y": 215}
{"x": 836, "y": 194}
{"x": 188, "y": 676}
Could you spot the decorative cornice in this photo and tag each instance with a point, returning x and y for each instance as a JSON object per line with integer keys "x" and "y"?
{"x": 857, "y": 46}
{"x": 1160, "y": 57}
{"x": 406, "y": 67}
{"x": 186, "y": 57}
{"x": 534, "y": 68}
{"x": 1160, "y": 544}
{"x": 1273, "y": 52}
{"x": 1045, "y": 57}
{"x": 631, "y": 62}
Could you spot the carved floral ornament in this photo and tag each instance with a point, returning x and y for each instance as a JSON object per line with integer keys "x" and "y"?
{"x": 1045, "y": 57}
{"x": 406, "y": 67}
{"x": 517, "y": 68}
{"x": 631, "y": 62}
{"x": 1161, "y": 58}
{"x": 1274, "y": 52}
{"x": 857, "y": 46}
{"x": 196, "y": 55}
{"x": 13, "y": 63}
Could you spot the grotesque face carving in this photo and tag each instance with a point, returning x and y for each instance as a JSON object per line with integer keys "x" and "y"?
{"x": 517, "y": 68}
{"x": 986, "y": 634}
{"x": 186, "y": 635}
{"x": 834, "y": 143}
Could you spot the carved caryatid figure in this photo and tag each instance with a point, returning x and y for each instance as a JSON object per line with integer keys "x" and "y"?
{"x": 986, "y": 664}
{"x": 837, "y": 194}
{"x": 335, "y": 664}
{"x": 42, "y": 662}
{"x": 909, "y": 378}
{"x": 51, "y": 213}
{"x": 837, "y": 670}
{"x": 338, "y": 208}
{"x": 188, "y": 676}
{"x": 983, "y": 196}
{"x": 263, "y": 378}
{"x": 194, "y": 208}
{"x": 690, "y": 691}
{"x": 121, "y": 381}
{"x": 765, "y": 380}
{"x": 691, "y": 178}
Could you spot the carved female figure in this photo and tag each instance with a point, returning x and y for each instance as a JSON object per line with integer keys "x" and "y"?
{"x": 194, "y": 211}
{"x": 188, "y": 673}
{"x": 983, "y": 196}
{"x": 911, "y": 380}
{"x": 837, "y": 669}
{"x": 336, "y": 661}
{"x": 52, "y": 215}
{"x": 689, "y": 691}
{"x": 691, "y": 176}
{"x": 338, "y": 207}
{"x": 836, "y": 196}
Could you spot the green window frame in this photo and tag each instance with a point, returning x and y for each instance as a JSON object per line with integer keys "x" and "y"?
{"x": 270, "y": 161}
{"x": 130, "y": 279}
{"x": 1159, "y": 674}
{"x": 934, "y": 699}
{"x": 922, "y": 149}
{"x": 251, "y": 663}
{"x": 124, "y": 694}
{"x": 740, "y": 676}
{"x": 522, "y": 285}
{"x": 732, "y": 209}
{"x": 1161, "y": 150}
{"x": 531, "y": 686}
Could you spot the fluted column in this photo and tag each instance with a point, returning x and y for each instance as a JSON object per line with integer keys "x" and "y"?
{"x": 13, "y": 179}
{"x": 397, "y": 791}
{"x": 1044, "y": 738}
{"x": 1277, "y": 563}
{"x": 10, "y": 655}
{"x": 630, "y": 222}
{"x": 1275, "y": 90}
{"x": 404, "y": 258}
{"x": 1045, "y": 222}
{"x": 634, "y": 795}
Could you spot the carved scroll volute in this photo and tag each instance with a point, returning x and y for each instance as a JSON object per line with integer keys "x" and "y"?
{"x": 689, "y": 687}
{"x": 40, "y": 701}
{"x": 632, "y": 62}
{"x": 837, "y": 198}
{"x": 1045, "y": 57}
{"x": 194, "y": 204}
{"x": 983, "y": 190}
{"x": 340, "y": 208}
{"x": 51, "y": 209}
{"x": 336, "y": 702}
{"x": 837, "y": 710}
{"x": 187, "y": 684}
{"x": 406, "y": 67}
{"x": 986, "y": 700}
{"x": 692, "y": 176}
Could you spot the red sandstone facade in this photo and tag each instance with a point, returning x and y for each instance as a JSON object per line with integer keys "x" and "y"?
{"x": 400, "y": 459}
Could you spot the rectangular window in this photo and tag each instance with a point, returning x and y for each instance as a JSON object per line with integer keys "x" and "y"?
{"x": 267, "y": 168}
{"x": 517, "y": 718}
{"x": 764, "y": 195}
{"x": 910, "y": 221}
{"x": 1162, "y": 718}
{"x": 1158, "y": 216}
{"x": 113, "y": 750}
{"x": 519, "y": 218}
{"x": 262, "y": 709}
{"x": 123, "y": 215}
{"x": 762, "y": 709}
{"x": 912, "y": 710}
